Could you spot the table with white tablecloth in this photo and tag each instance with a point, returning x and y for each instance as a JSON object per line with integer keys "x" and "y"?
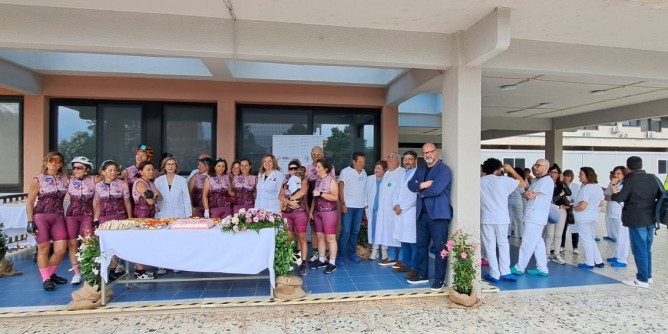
{"x": 13, "y": 217}
{"x": 210, "y": 251}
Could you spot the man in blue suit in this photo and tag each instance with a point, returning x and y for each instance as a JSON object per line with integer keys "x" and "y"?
{"x": 432, "y": 184}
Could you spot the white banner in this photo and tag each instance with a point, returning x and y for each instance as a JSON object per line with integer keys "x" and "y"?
{"x": 287, "y": 148}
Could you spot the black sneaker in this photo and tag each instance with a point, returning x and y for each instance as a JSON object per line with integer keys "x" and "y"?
{"x": 437, "y": 286}
{"x": 330, "y": 268}
{"x": 48, "y": 285}
{"x": 302, "y": 269}
{"x": 57, "y": 279}
{"x": 317, "y": 265}
{"x": 417, "y": 280}
{"x": 112, "y": 276}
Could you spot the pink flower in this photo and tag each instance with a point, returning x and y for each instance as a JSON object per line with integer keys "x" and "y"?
{"x": 464, "y": 255}
{"x": 450, "y": 244}
{"x": 255, "y": 219}
{"x": 474, "y": 246}
{"x": 444, "y": 253}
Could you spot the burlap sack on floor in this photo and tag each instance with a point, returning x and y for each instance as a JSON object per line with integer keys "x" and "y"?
{"x": 7, "y": 269}
{"x": 461, "y": 300}
{"x": 289, "y": 287}
{"x": 363, "y": 252}
{"x": 86, "y": 298}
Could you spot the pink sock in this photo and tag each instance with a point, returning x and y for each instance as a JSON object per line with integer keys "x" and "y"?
{"x": 52, "y": 270}
{"x": 44, "y": 272}
{"x": 76, "y": 270}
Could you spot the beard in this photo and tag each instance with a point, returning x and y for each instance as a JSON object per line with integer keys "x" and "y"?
{"x": 429, "y": 161}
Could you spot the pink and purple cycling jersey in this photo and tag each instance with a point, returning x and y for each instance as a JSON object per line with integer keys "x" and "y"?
{"x": 81, "y": 197}
{"x": 244, "y": 187}
{"x": 142, "y": 208}
{"x": 302, "y": 202}
{"x": 133, "y": 175}
{"x": 52, "y": 191}
{"x": 196, "y": 195}
{"x": 111, "y": 197}
{"x": 321, "y": 204}
{"x": 218, "y": 187}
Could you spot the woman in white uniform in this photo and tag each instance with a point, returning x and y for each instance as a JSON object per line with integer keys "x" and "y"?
{"x": 586, "y": 214}
{"x": 372, "y": 185}
{"x": 269, "y": 182}
{"x": 613, "y": 216}
{"x": 175, "y": 201}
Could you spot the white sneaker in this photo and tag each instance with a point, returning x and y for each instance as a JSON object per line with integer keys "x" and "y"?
{"x": 637, "y": 283}
{"x": 374, "y": 254}
{"x": 315, "y": 256}
{"x": 161, "y": 271}
{"x": 145, "y": 275}
{"x": 562, "y": 250}
{"x": 558, "y": 259}
{"x": 650, "y": 281}
{"x": 575, "y": 251}
{"x": 76, "y": 279}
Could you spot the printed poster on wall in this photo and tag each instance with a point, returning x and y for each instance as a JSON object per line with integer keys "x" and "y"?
{"x": 287, "y": 148}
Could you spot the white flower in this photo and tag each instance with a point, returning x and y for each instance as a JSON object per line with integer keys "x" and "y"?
{"x": 95, "y": 271}
{"x": 235, "y": 220}
{"x": 271, "y": 219}
{"x": 96, "y": 287}
{"x": 242, "y": 211}
{"x": 98, "y": 260}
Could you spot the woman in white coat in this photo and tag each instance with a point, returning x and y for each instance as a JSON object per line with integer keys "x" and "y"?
{"x": 269, "y": 183}
{"x": 175, "y": 201}
{"x": 372, "y": 185}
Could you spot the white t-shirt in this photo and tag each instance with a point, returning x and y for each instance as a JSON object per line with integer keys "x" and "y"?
{"x": 515, "y": 197}
{"x": 494, "y": 191}
{"x": 575, "y": 189}
{"x": 613, "y": 209}
{"x": 354, "y": 187}
{"x": 536, "y": 210}
{"x": 593, "y": 195}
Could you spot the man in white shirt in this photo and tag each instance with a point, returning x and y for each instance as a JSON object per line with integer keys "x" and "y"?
{"x": 539, "y": 199}
{"x": 494, "y": 217}
{"x": 352, "y": 189}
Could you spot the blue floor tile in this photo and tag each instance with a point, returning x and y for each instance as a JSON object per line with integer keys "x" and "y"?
{"x": 239, "y": 293}
{"x": 187, "y": 295}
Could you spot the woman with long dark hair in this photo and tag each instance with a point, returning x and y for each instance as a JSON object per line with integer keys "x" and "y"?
{"x": 244, "y": 187}
{"x": 217, "y": 191}
{"x": 553, "y": 231}
{"x": 586, "y": 212}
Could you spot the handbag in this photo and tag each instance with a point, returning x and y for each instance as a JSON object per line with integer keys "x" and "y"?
{"x": 570, "y": 217}
{"x": 553, "y": 216}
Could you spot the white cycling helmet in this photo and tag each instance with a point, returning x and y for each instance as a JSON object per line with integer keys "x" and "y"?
{"x": 84, "y": 161}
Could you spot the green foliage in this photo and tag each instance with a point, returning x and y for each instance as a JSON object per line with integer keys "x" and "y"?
{"x": 283, "y": 256}
{"x": 3, "y": 243}
{"x": 89, "y": 260}
{"x": 363, "y": 237}
{"x": 81, "y": 143}
{"x": 462, "y": 253}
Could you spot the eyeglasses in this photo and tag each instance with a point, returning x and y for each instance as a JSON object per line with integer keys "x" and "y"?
{"x": 316, "y": 153}
{"x": 293, "y": 168}
{"x": 428, "y": 152}
{"x": 78, "y": 168}
{"x": 56, "y": 160}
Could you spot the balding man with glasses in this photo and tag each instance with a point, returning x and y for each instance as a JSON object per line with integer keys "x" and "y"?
{"x": 538, "y": 201}
{"x": 432, "y": 184}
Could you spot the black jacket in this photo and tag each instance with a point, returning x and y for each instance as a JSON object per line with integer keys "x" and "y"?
{"x": 639, "y": 194}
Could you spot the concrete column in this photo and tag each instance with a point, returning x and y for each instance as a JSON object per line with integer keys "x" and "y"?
{"x": 35, "y": 135}
{"x": 554, "y": 146}
{"x": 389, "y": 125}
{"x": 226, "y": 129}
{"x": 461, "y": 146}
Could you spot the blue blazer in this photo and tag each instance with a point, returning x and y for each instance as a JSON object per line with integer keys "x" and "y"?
{"x": 435, "y": 199}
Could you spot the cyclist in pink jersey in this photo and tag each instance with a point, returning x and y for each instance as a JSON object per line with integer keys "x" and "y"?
{"x": 145, "y": 195}
{"x": 293, "y": 200}
{"x": 46, "y": 219}
{"x": 79, "y": 215}
{"x": 111, "y": 202}
{"x": 244, "y": 187}
{"x": 196, "y": 186}
{"x": 316, "y": 154}
{"x": 324, "y": 214}
{"x": 217, "y": 190}
{"x": 131, "y": 174}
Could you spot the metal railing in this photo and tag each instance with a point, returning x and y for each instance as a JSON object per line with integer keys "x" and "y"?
{"x": 12, "y": 198}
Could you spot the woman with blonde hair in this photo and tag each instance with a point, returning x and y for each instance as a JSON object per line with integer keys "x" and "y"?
{"x": 46, "y": 219}
{"x": 175, "y": 201}
{"x": 270, "y": 180}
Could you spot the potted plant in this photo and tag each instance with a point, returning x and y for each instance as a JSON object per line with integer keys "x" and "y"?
{"x": 461, "y": 251}
{"x": 6, "y": 266}
{"x": 363, "y": 251}
{"x": 288, "y": 286}
{"x": 89, "y": 296}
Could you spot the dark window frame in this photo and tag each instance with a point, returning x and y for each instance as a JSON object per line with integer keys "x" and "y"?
{"x": 665, "y": 166}
{"x": 17, "y": 187}
{"x": 152, "y": 122}
{"x": 312, "y": 111}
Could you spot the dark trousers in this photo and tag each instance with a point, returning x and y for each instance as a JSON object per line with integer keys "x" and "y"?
{"x": 428, "y": 230}
{"x": 575, "y": 238}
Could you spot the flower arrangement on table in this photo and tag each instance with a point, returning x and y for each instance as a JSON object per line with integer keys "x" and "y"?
{"x": 463, "y": 266}
{"x": 252, "y": 219}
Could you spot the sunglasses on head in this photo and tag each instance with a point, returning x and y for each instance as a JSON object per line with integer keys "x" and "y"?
{"x": 56, "y": 160}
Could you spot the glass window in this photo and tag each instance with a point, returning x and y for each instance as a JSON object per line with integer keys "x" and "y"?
{"x": 188, "y": 132}
{"x": 662, "y": 167}
{"x": 11, "y": 164}
{"x": 342, "y": 131}
{"x": 76, "y": 132}
{"x": 121, "y": 133}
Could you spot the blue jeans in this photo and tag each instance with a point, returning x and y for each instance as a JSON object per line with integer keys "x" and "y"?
{"x": 408, "y": 254}
{"x": 427, "y": 230}
{"x": 350, "y": 230}
{"x": 641, "y": 247}
{"x": 392, "y": 253}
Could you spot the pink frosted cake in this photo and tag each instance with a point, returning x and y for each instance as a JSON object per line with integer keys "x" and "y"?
{"x": 192, "y": 224}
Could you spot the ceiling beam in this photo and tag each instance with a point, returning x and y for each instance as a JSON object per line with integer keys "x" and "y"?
{"x": 651, "y": 109}
{"x": 420, "y": 120}
{"x": 495, "y": 134}
{"x": 19, "y": 79}
{"x": 487, "y": 38}
{"x": 517, "y": 124}
{"x": 411, "y": 83}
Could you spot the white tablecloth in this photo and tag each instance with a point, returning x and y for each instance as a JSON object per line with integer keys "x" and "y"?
{"x": 198, "y": 250}
{"x": 13, "y": 217}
